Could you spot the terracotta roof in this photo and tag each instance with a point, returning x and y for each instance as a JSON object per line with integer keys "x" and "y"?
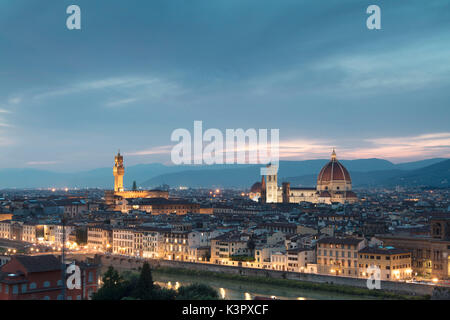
{"x": 42, "y": 263}
{"x": 256, "y": 187}
{"x": 297, "y": 250}
{"x": 331, "y": 240}
{"x": 332, "y": 171}
{"x": 377, "y": 250}
{"x": 324, "y": 194}
{"x": 351, "y": 194}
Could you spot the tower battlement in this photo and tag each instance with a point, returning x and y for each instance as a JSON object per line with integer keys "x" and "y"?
{"x": 119, "y": 172}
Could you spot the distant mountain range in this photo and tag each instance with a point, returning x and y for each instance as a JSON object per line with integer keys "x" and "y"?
{"x": 364, "y": 172}
{"x": 435, "y": 175}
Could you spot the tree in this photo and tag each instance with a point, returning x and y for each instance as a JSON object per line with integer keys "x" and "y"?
{"x": 144, "y": 287}
{"x": 197, "y": 291}
{"x": 111, "y": 278}
{"x": 134, "y": 286}
{"x": 163, "y": 294}
{"x": 113, "y": 287}
{"x": 81, "y": 236}
{"x": 251, "y": 244}
{"x": 134, "y": 186}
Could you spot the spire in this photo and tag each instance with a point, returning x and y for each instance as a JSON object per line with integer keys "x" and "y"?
{"x": 333, "y": 155}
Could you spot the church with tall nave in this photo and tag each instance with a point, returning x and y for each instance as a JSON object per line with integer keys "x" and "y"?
{"x": 334, "y": 185}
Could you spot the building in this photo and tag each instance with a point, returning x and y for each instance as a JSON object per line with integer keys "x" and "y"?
{"x": 394, "y": 264}
{"x": 334, "y": 185}
{"x": 114, "y": 197}
{"x": 175, "y": 245}
{"x": 199, "y": 254}
{"x": 255, "y": 191}
{"x": 278, "y": 260}
{"x": 123, "y": 241}
{"x": 157, "y": 206}
{"x": 72, "y": 207}
{"x": 227, "y": 245}
{"x": 39, "y": 278}
{"x": 5, "y": 216}
{"x": 263, "y": 254}
{"x": 29, "y": 232}
{"x": 138, "y": 243}
{"x": 118, "y": 172}
{"x": 5, "y": 229}
{"x": 299, "y": 258}
{"x": 152, "y": 241}
{"x": 286, "y": 228}
{"x": 339, "y": 256}
{"x": 430, "y": 254}
{"x": 62, "y": 234}
{"x": 100, "y": 238}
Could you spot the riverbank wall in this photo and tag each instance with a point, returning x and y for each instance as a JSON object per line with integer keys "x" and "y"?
{"x": 126, "y": 264}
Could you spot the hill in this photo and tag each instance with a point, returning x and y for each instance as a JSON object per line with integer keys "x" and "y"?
{"x": 364, "y": 172}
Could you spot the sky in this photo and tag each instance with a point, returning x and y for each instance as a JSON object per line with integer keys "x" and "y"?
{"x": 138, "y": 70}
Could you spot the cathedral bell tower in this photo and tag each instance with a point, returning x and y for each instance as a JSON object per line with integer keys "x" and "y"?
{"x": 118, "y": 171}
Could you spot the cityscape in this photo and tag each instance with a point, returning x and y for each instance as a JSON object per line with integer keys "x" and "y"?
{"x": 295, "y": 233}
{"x": 222, "y": 157}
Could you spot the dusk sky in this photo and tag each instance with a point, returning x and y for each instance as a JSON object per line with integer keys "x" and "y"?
{"x": 140, "y": 69}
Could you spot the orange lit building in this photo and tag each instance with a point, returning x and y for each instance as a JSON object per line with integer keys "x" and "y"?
{"x": 394, "y": 264}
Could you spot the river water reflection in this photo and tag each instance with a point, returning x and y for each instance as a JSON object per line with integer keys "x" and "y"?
{"x": 236, "y": 290}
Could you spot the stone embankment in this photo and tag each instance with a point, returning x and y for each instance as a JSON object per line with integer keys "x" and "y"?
{"x": 121, "y": 263}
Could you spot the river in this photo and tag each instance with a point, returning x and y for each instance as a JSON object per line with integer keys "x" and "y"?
{"x": 237, "y": 290}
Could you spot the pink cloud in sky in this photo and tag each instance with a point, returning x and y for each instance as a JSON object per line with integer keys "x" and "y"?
{"x": 396, "y": 149}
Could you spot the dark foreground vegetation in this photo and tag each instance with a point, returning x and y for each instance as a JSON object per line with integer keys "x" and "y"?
{"x": 134, "y": 286}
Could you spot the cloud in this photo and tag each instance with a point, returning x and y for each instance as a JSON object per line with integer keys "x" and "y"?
{"x": 291, "y": 149}
{"x": 408, "y": 68}
{"x": 5, "y": 141}
{"x": 125, "y": 85}
{"x": 306, "y": 68}
{"x": 412, "y": 147}
{"x": 122, "y": 102}
{"x": 152, "y": 151}
{"x": 15, "y": 100}
{"x": 433, "y": 145}
{"x": 42, "y": 163}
